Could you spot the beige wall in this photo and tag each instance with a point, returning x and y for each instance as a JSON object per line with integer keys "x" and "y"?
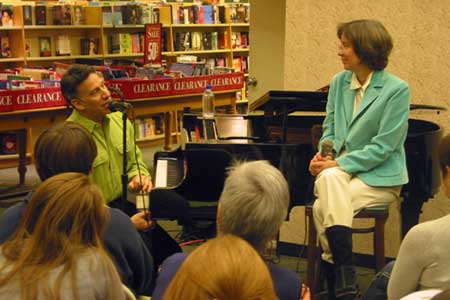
{"x": 421, "y": 56}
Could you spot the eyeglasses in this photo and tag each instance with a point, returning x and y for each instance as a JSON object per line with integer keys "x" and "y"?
{"x": 341, "y": 46}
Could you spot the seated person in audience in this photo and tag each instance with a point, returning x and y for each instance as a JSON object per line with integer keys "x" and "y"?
{"x": 225, "y": 268}
{"x": 57, "y": 251}
{"x": 423, "y": 260}
{"x": 68, "y": 147}
{"x": 253, "y": 205}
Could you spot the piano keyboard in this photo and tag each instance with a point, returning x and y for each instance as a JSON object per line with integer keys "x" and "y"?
{"x": 169, "y": 172}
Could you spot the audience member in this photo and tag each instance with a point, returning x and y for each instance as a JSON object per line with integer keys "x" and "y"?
{"x": 225, "y": 268}
{"x": 68, "y": 147}
{"x": 57, "y": 252}
{"x": 253, "y": 205}
{"x": 422, "y": 262}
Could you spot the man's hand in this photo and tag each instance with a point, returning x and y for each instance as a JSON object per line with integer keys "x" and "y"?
{"x": 141, "y": 221}
{"x": 135, "y": 184}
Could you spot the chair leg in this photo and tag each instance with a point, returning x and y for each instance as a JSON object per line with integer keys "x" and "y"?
{"x": 378, "y": 241}
{"x": 312, "y": 250}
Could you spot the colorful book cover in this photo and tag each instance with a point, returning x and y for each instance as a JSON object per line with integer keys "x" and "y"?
{"x": 5, "y": 46}
{"x": 27, "y": 15}
{"x": 78, "y": 17}
{"x": 125, "y": 43}
{"x": 62, "y": 45}
{"x": 117, "y": 15}
{"x": 45, "y": 46}
{"x": 7, "y": 15}
{"x": 41, "y": 14}
{"x": 107, "y": 15}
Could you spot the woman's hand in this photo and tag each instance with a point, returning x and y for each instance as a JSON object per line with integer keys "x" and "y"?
{"x": 319, "y": 163}
{"x": 143, "y": 184}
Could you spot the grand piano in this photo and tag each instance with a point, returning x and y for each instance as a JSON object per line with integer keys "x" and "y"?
{"x": 286, "y": 132}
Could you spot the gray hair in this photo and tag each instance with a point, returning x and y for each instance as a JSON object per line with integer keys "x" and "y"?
{"x": 254, "y": 202}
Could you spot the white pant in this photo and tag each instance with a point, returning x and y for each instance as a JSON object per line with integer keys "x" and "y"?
{"x": 341, "y": 196}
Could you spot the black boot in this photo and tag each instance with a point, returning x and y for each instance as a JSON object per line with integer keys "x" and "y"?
{"x": 340, "y": 241}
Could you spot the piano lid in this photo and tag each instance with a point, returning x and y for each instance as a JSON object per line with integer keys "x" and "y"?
{"x": 280, "y": 102}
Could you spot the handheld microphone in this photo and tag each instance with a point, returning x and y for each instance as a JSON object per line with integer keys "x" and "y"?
{"x": 327, "y": 149}
{"x": 118, "y": 105}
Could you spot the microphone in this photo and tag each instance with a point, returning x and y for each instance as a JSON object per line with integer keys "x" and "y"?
{"x": 119, "y": 106}
{"x": 327, "y": 149}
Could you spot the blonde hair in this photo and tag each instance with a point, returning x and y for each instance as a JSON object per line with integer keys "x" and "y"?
{"x": 225, "y": 268}
{"x": 65, "y": 216}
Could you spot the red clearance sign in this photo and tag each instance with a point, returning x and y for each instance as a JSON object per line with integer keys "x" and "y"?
{"x": 14, "y": 100}
{"x": 152, "y": 41}
{"x": 31, "y": 99}
{"x": 139, "y": 89}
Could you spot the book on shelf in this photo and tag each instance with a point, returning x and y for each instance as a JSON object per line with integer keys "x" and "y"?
{"x": 107, "y": 15}
{"x": 131, "y": 14}
{"x": 208, "y": 14}
{"x": 27, "y": 11}
{"x": 125, "y": 43}
{"x": 41, "y": 14}
{"x": 28, "y": 48}
{"x": 114, "y": 44}
{"x": 45, "y": 46}
{"x": 207, "y": 44}
{"x": 196, "y": 41}
{"x": 78, "y": 17}
{"x": 61, "y": 15}
{"x": 62, "y": 45}
{"x": 7, "y": 15}
{"x": 8, "y": 142}
{"x": 5, "y": 46}
{"x": 89, "y": 46}
{"x": 117, "y": 15}
{"x": 222, "y": 70}
{"x": 214, "y": 40}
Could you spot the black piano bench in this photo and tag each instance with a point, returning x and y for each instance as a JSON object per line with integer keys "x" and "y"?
{"x": 380, "y": 213}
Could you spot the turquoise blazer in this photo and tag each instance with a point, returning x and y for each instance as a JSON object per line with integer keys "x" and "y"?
{"x": 373, "y": 139}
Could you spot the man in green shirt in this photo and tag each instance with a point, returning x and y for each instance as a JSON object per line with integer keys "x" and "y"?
{"x": 85, "y": 90}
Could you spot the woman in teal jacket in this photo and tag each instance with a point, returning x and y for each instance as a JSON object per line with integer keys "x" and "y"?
{"x": 366, "y": 122}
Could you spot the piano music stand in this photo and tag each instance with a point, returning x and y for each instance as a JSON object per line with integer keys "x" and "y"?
{"x": 282, "y": 103}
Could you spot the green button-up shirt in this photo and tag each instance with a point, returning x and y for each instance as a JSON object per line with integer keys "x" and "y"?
{"x": 108, "y": 164}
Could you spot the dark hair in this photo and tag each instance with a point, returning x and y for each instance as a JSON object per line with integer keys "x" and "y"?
{"x": 73, "y": 77}
{"x": 444, "y": 153}
{"x": 7, "y": 10}
{"x": 370, "y": 40}
{"x": 66, "y": 147}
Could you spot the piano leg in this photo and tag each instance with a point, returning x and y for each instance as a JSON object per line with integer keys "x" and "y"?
{"x": 410, "y": 213}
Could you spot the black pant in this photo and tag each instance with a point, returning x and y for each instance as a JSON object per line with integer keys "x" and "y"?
{"x": 160, "y": 244}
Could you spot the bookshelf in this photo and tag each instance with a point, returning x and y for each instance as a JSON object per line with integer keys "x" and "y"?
{"x": 26, "y": 46}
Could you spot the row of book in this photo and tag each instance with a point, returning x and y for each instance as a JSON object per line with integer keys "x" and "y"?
{"x": 210, "y": 14}
{"x": 88, "y": 46}
{"x": 241, "y": 63}
{"x": 207, "y": 40}
{"x": 130, "y": 14}
{"x": 149, "y": 127}
{"x": 126, "y": 43}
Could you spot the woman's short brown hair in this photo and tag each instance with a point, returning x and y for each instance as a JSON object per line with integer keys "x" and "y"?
{"x": 370, "y": 40}
{"x": 66, "y": 147}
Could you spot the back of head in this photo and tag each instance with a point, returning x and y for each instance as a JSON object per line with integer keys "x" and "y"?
{"x": 65, "y": 216}
{"x": 370, "y": 40}
{"x": 73, "y": 77}
{"x": 66, "y": 147}
{"x": 225, "y": 268}
{"x": 66, "y": 208}
{"x": 254, "y": 203}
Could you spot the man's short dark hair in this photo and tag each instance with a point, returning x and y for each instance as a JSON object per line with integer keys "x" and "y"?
{"x": 66, "y": 147}
{"x": 370, "y": 40}
{"x": 73, "y": 77}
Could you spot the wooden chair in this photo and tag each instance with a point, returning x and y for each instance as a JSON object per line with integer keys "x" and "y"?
{"x": 379, "y": 213}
